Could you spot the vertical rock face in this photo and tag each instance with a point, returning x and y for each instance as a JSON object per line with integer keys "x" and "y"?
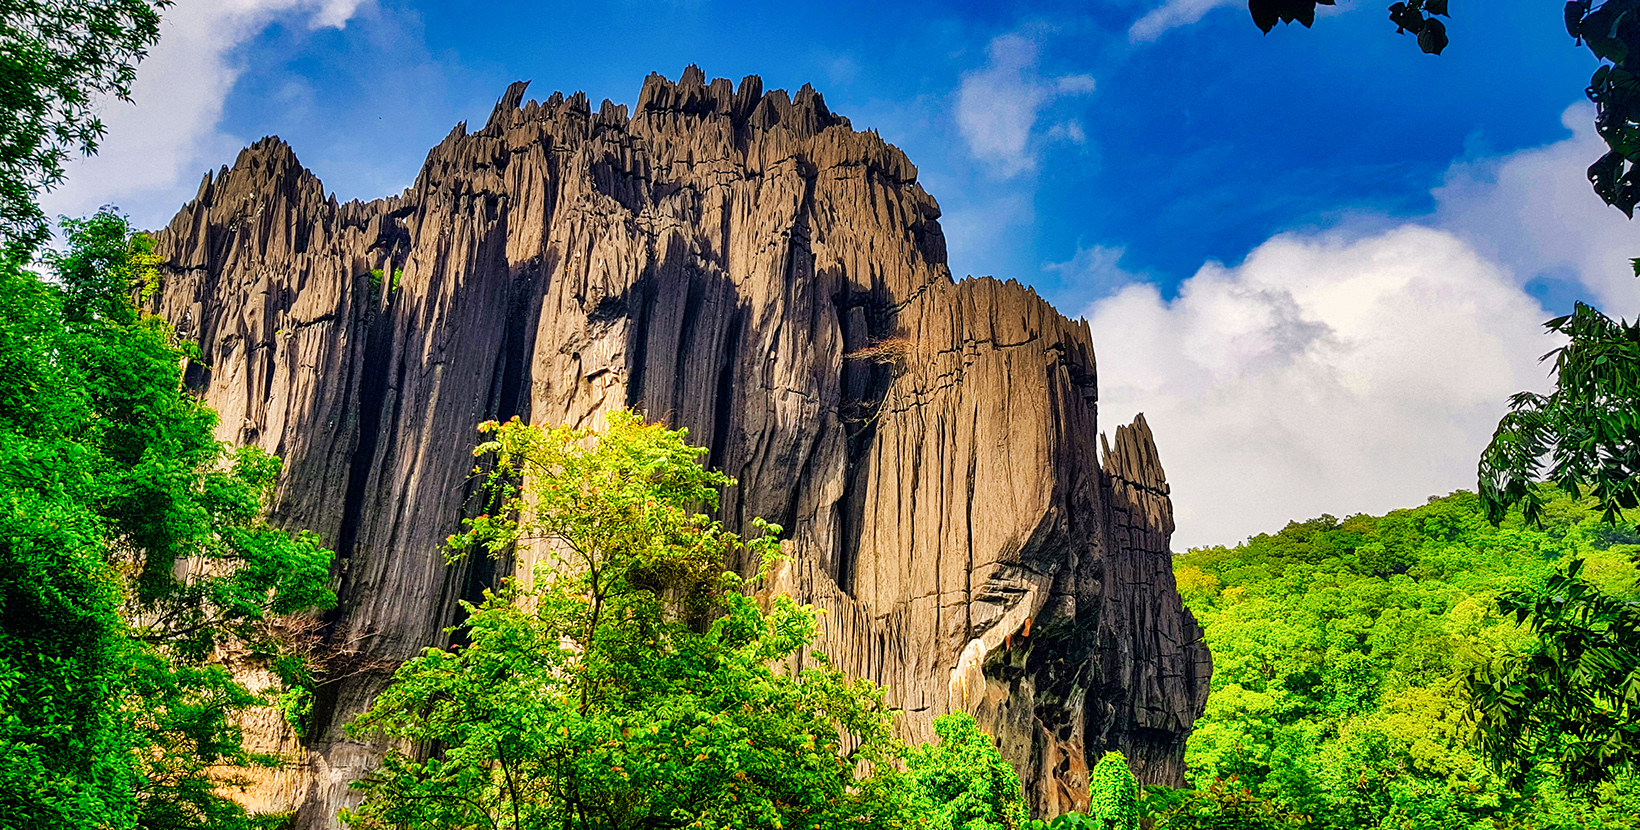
{"x": 746, "y": 265}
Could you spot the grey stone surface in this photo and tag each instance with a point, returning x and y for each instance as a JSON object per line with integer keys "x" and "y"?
{"x": 746, "y": 265}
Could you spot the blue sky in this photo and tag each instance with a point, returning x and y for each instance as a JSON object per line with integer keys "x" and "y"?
{"x": 1317, "y": 259}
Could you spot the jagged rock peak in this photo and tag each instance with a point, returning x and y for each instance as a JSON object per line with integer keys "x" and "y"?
{"x": 270, "y": 149}
{"x": 805, "y": 114}
{"x": 1135, "y": 459}
{"x": 510, "y": 100}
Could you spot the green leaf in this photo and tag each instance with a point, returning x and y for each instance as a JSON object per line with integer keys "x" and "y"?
{"x": 1406, "y": 18}
{"x": 1603, "y": 176}
{"x": 1575, "y": 12}
{"x": 1266, "y": 13}
{"x": 1432, "y": 37}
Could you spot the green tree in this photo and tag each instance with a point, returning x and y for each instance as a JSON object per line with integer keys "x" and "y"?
{"x": 1113, "y": 801}
{"x": 635, "y": 684}
{"x": 1588, "y": 428}
{"x": 1573, "y": 699}
{"x": 1222, "y": 805}
{"x": 57, "y": 57}
{"x": 132, "y": 547}
{"x": 963, "y": 781}
{"x": 1574, "y": 694}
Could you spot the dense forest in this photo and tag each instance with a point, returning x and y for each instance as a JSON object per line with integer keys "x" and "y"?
{"x": 1342, "y": 650}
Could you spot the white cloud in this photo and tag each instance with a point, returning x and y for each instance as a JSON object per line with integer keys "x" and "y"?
{"x": 1344, "y": 372}
{"x": 1324, "y": 374}
{"x": 1095, "y": 270}
{"x": 842, "y": 71}
{"x": 1067, "y": 131}
{"x": 155, "y": 150}
{"x": 332, "y": 14}
{"x": 1074, "y": 84}
{"x": 1173, "y": 14}
{"x": 1534, "y": 212}
{"x": 998, "y": 105}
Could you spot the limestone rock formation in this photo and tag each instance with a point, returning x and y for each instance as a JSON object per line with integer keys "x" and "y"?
{"x": 746, "y": 265}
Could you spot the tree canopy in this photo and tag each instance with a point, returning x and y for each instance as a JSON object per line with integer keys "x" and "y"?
{"x": 1574, "y": 696}
{"x": 1577, "y": 689}
{"x": 1343, "y": 651}
{"x": 132, "y": 548}
{"x": 59, "y": 60}
{"x": 634, "y": 684}
{"x": 1587, "y": 429}
{"x": 962, "y": 782}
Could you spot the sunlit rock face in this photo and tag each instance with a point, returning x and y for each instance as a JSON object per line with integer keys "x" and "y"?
{"x": 746, "y": 265}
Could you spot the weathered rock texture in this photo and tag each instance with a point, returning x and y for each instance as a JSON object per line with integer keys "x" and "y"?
{"x": 746, "y": 265}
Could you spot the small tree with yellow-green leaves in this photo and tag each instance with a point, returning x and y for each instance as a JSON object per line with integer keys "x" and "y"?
{"x": 635, "y": 684}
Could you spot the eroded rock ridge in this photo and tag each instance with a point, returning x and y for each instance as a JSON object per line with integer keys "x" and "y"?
{"x": 742, "y": 263}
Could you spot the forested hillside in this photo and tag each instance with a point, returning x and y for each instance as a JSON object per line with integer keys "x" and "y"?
{"x": 1341, "y": 650}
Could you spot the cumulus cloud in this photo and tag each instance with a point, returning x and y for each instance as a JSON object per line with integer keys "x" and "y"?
{"x": 998, "y": 105}
{"x": 1345, "y": 372}
{"x": 1324, "y": 374}
{"x": 154, "y": 150}
{"x": 1534, "y": 212}
{"x": 1171, "y": 15}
